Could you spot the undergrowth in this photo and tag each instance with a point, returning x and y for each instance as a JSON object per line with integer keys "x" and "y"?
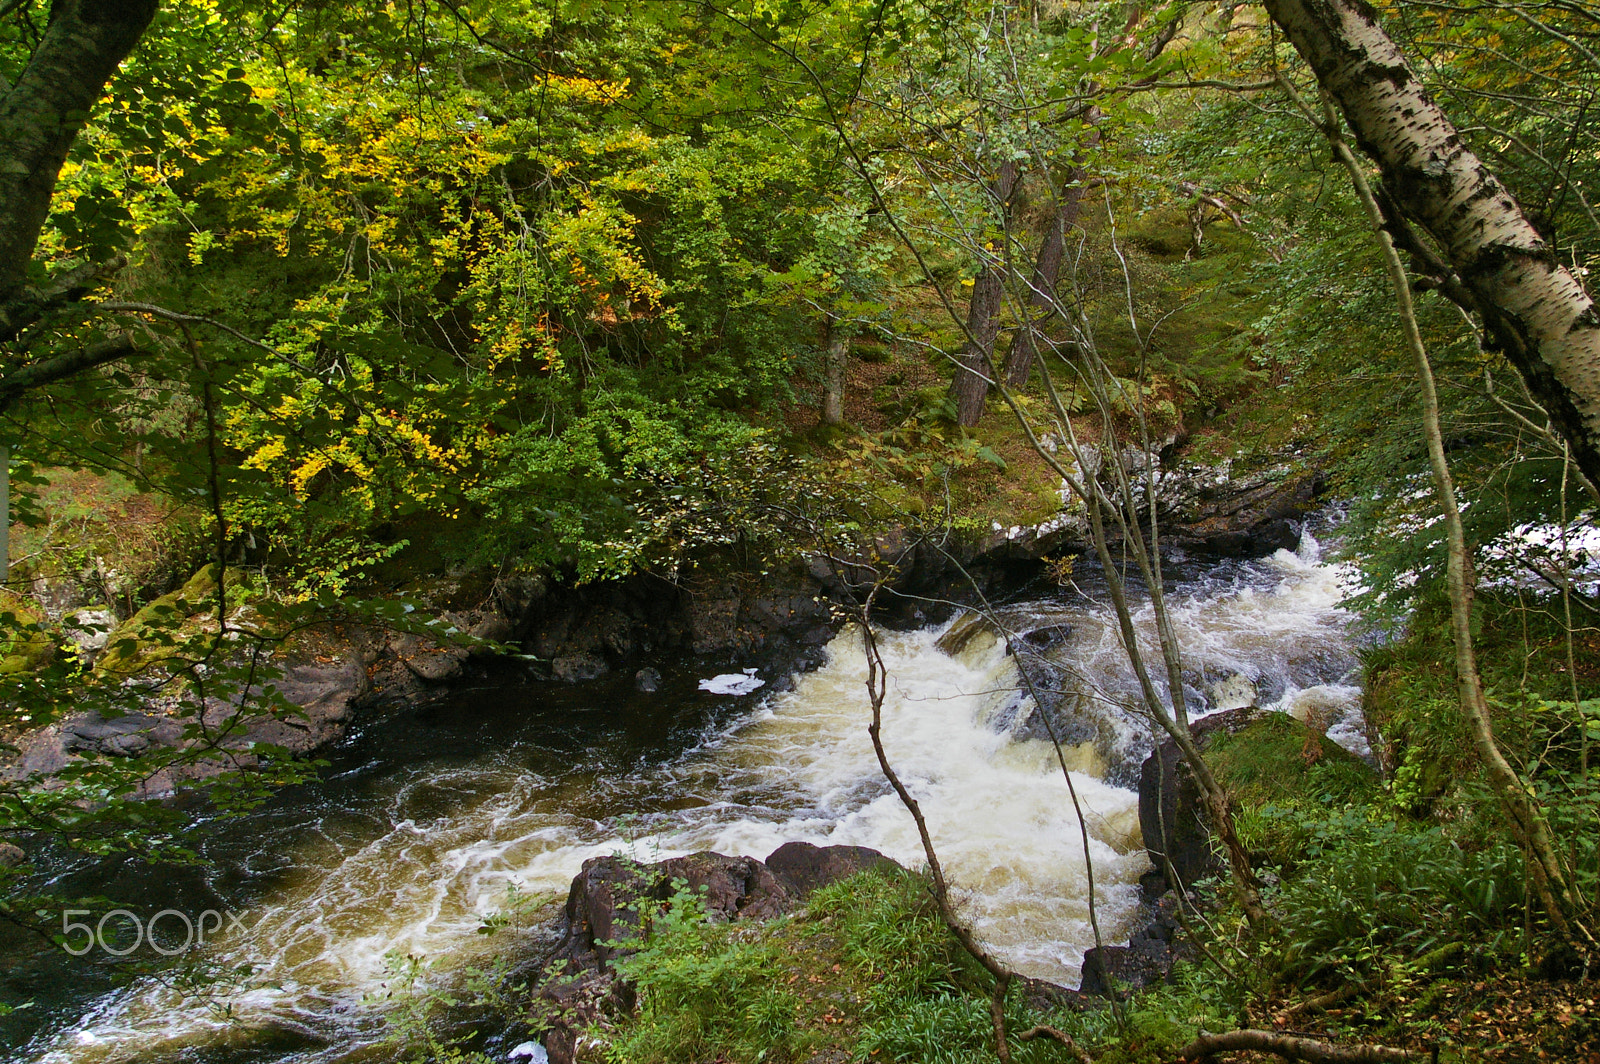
{"x": 866, "y": 972}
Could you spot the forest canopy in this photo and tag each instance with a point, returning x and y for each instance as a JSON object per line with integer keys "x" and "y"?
{"x": 500, "y": 281}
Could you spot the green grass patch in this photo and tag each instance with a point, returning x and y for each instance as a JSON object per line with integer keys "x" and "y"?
{"x": 867, "y": 972}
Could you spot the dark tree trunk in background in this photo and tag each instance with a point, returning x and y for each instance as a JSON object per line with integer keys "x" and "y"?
{"x": 84, "y": 43}
{"x": 976, "y": 363}
{"x": 1533, "y": 309}
{"x": 1042, "y": 285}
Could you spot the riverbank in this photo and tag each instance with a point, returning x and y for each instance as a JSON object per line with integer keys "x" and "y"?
{"x": 738, "y": 607}
{"x": 429, "y": 815}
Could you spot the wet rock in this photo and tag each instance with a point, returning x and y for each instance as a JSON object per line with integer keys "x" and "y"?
{"x": 426, "y": 660}
{"x": 1233, "y": 691}
{"x": 1121, "y": 970}
{"x": 326, "y": 693}
{"x": 607, "y": 898}
{"x": 1048, "y": 637}
{"x": 1152, "y": 950}
{"x": 714, "y": 625}
{"x": 573, "y": 668}
{"x": 11, "y": 855}
{"x": 1225, "y": 510}
{"x": 803, "y": 867}
{"x": 647, "y": 681}
{"x": 820, "y": 635}
{"x": 731, "y": 888}
{"x": 961, "y": 634}
{"x": 1172, "y": 809}
{"x": 125, "y": 736}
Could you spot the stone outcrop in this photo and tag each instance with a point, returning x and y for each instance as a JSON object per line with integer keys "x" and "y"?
{"x": 1223, "y": 511}
{"x": 1229, "y": 508}
{"x": 1151, "y": 951}
{"x": 1171, "y": 809}
{"x": 612, "y": 896}
{"x": 802, "y": 867}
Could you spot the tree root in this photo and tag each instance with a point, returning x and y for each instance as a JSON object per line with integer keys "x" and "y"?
{"x": 1060, "y": 1036}
{"x": 1291, "y": 1048}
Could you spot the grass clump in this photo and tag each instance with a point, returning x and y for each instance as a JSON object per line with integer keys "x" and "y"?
{"x": 867, "y": 972}
{"x": 706, "y": 992}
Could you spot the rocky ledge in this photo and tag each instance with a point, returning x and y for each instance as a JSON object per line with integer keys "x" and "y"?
{"x": 777, "y": 618}
{"x": 574, "y": 974}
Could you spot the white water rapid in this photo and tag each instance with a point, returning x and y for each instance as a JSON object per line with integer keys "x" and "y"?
{"x": 409, "y": 860}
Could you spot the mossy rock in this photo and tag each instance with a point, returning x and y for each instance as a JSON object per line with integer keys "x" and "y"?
{"x": 141, "y": 640}
{"x": 23, "y": 647}
{"x": 1276, "y": 758}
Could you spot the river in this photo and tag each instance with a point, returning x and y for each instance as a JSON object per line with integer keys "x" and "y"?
{"x": 424, "y": 821}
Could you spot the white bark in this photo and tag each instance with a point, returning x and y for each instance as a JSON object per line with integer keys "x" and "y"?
{"x": 838, "y": 354}
{"x": 1533, "y": 308}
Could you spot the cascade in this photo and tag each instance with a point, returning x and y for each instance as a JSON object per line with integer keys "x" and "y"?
{"x": 423, "y": 825}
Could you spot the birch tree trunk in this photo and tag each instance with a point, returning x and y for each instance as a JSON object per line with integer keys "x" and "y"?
{"x": 1532, "y": 829}
{"x": 837, "y": 339}
{"x": 1533, "y": 309}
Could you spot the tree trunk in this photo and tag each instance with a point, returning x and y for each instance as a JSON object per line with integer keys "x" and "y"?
{"x": 1042, "y": 285}
{"x": 1534, "y": 310}
{"x": 1532, "y": 830}
{"x": 837, "y": 339}
{"x": 976, "y": 363}
{"x": 84, "y": 43}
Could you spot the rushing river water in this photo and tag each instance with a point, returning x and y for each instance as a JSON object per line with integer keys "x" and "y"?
{"x": 424, "y": 821}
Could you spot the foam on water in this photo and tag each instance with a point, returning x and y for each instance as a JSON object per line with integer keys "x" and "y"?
{"x": 419, "y": 876}
{"x": 800, "y": 767}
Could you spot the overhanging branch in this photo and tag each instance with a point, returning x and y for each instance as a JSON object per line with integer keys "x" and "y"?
{"x": 60, "y": 367}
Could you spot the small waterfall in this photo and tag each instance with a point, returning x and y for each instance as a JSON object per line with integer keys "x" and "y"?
{"x": 1267, "y": 633}
{"x": 408, "y": 853}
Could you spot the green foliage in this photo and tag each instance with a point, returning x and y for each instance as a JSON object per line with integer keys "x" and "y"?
{"x": 1521, "y": 644}
{"x": 706, "y": 990}
{"x": 869, "y": 971}
{"x": 1370, "y": 890}
{"x": 893, "y": 937}
{"x": 1277, "y": 768}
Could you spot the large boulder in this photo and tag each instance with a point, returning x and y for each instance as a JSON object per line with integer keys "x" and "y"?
{"x": 803, "y": 867}
{"x": 1172, "y": 814}
{"x": 607, "y": 899}
{"x": 611, "y": 896}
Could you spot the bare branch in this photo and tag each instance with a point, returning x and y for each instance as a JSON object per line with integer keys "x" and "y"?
{"x": 1291, "y": 1048}
{"x": 60, "y": 367}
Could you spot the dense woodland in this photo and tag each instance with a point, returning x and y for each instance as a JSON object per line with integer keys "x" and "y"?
{"x": 332, "y": 298}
